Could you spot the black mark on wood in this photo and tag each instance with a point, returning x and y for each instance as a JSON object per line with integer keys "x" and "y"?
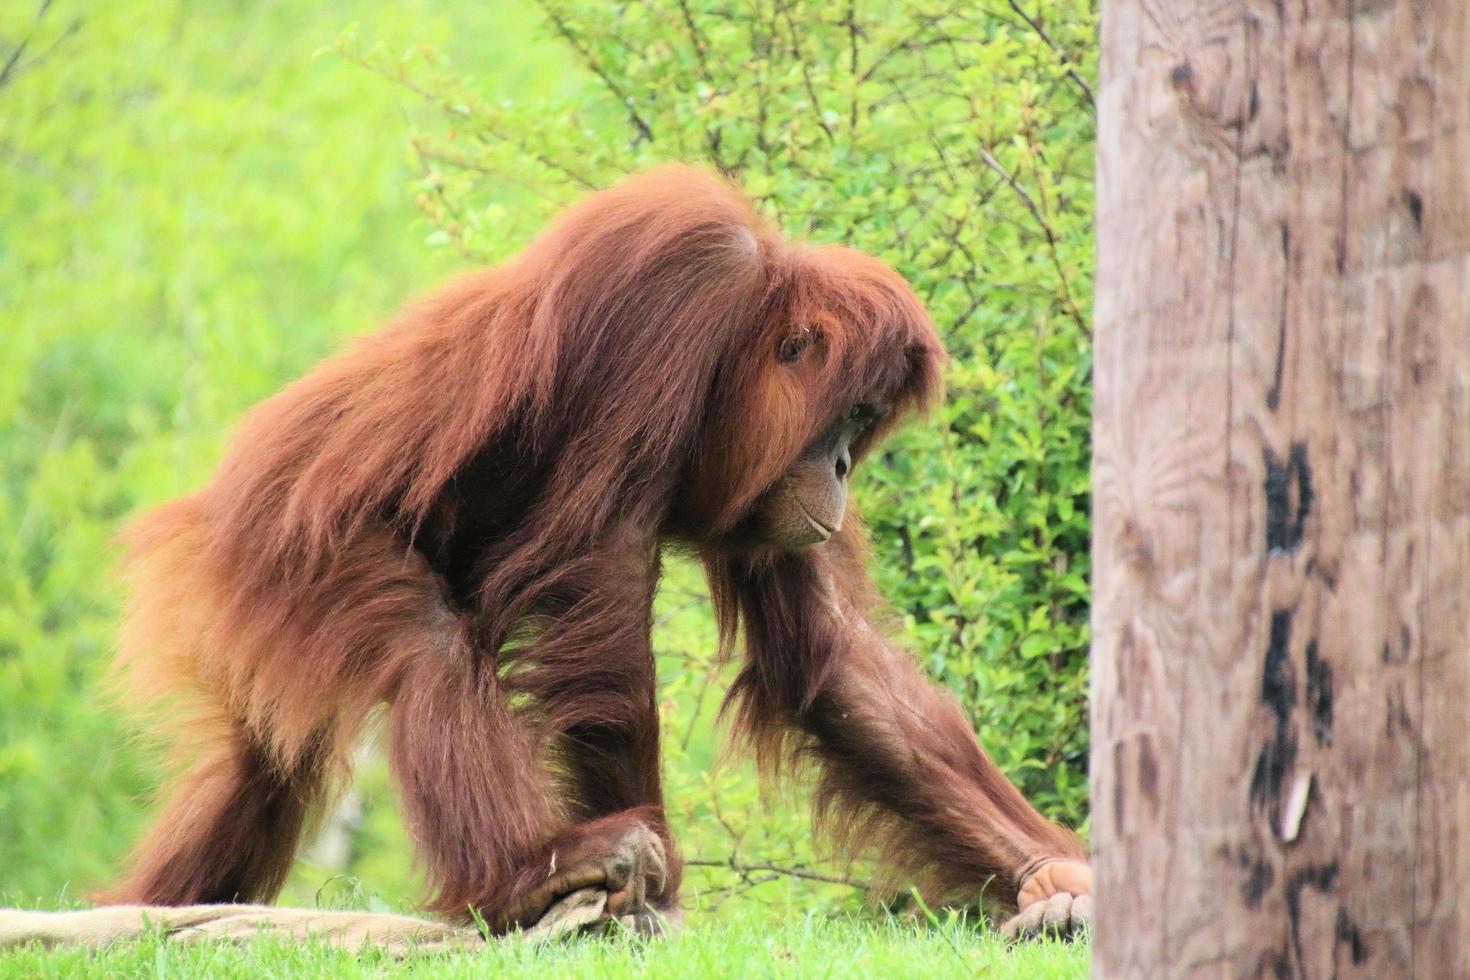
{"x": 1257, "y": 882}
{"x": 1136, "y": 547}
{"x": 1415, "y": 204}
{"x": 1181, "y": 75}
{"x": 1119, "y": 793}
{"x": 1278, "y": 694}
{"x": 1396, "y": 716}
{"x": 1278, "y": 684}
{"x": 1348, "y": 933}
{"x": 1323, "y": 571}
{"x": 1319, "y": 694}
{"x": 1273, "y": 396}
{"x": 1321, "y": 877}
{"x": 1302, "y": 467}
{"x": 1277, "y": 502}
{"x": 1288, "y": 499}
{"x": 1148, "y": 772}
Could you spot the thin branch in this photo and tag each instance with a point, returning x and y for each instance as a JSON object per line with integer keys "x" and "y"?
{"x": 595, "y": 66}
{"x": 1037, "y": 211}
{"x": 713, "y": 138}
{"x": 806, "y": 75}
{"x": 456, "y": 223}
{"x": 710, "y": 669}
{"x": 1062, "y": 53}
{"x": 695, "y": 602}
{"x": 964, "y": 315}
{"x": 852, "y": 62}
{"x": 1046, "y": 229}
{"x": 907, "y": 41}
{"x": 438, "y": 154}
{"x": 763, "y": 44}
{"x": 478, "y": 125}
{"x": 745, "y": 870}
{"x": 934, "y": 140}
{"x": 744, "y": 885}
{"x": 697, "y": 40}
{"x": 25, "y": 42}
{"x": 12, "y": 67}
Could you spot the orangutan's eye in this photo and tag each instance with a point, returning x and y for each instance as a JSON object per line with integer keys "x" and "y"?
{"x": 860, "y": 417}
{"x": 791, "y": 348}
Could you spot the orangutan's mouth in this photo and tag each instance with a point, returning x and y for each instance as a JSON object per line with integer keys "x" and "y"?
{"x": 821, "y": 529}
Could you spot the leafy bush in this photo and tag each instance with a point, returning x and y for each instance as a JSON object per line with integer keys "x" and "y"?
{"x": 953, "y": 140}
{"x": 193, "y": 209}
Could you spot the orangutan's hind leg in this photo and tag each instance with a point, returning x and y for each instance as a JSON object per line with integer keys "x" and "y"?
{"x": 229, "y": 832}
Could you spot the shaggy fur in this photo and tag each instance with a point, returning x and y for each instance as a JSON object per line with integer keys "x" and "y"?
{"x": 462, "y": 517}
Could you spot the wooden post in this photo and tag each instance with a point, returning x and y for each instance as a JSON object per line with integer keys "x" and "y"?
{"x": 1281, "y": 661}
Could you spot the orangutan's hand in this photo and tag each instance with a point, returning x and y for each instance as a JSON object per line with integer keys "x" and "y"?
{"x": 1055, "y": 899}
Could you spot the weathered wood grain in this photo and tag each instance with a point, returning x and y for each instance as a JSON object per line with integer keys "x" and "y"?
{"x": 1281, "y": 679}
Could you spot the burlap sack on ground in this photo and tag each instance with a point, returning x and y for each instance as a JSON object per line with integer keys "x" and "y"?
{"x": 396, "y": 934}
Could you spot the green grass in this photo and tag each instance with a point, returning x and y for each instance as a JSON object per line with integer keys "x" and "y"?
{"x": 736, "y": 947}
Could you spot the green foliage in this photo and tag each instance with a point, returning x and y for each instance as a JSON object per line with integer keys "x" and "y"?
{"x": 953, "y": 140}
{"x": 194, "y": 208}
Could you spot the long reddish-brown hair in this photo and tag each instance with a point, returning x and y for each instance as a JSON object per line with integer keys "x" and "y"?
{"x": 461, "y": 515}
{"x": 627, "y": 358}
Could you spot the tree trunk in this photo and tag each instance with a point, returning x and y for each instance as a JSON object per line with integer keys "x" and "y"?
{"x": 1281, "y": 682}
